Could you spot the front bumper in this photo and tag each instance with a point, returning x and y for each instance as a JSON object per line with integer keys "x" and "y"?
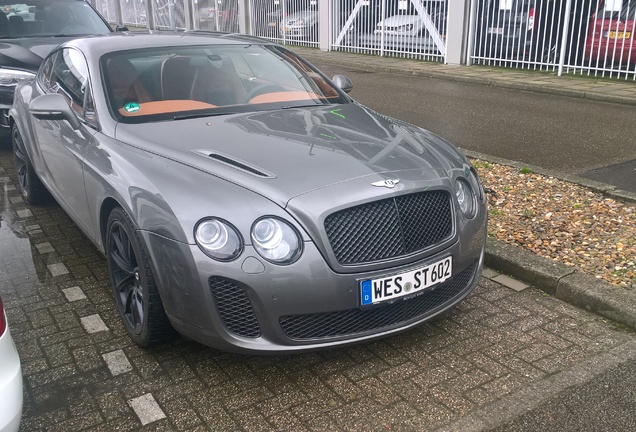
{"x": 255, "y": 307}
{"x": 291, "y": 31}
{"x": 6, "y": 102}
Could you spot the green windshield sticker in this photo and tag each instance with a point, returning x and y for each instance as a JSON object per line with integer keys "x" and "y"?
{"x": 132, "y": 107}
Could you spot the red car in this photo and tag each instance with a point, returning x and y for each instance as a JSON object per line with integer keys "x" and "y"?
{"x": 610, "y": 38}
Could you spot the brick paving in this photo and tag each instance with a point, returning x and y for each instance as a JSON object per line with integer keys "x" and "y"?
{"x": 81, "y": 371}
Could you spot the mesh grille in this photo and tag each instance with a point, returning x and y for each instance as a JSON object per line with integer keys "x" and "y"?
{"x": 353, "y": 321}
{"x": 389, "y": 228}
{"x": 234, "y": 308}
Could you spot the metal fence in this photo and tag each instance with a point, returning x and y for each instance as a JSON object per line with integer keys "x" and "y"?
{"x": 286, "y": 21}
{"x": 404, "y": 28}
{"x": 591, "y": 37}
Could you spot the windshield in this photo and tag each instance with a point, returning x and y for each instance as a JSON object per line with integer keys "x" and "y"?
{"x": 180, "y": 82}
{"x": 36, "y": 18}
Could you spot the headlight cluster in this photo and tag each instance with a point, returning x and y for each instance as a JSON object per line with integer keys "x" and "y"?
{"x": 11, "y": 77}
{"x": 273, "y": 239}
{"x": 218, "y": 239}
{"x": 406, "y": 27}
{"x": 465, "y": 197}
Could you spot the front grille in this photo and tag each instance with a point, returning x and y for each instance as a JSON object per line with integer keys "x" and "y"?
{"x": 234, "y": 308}
{"x": 354, "y": 321}
{"x": 389, "y": 228}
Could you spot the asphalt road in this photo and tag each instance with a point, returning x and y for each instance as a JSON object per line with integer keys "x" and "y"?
{"x": 576, "y": 136}
{"x": 606, "y": 403}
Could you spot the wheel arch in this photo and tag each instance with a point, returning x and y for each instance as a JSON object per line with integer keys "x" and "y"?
{"x": 108, "y": 205}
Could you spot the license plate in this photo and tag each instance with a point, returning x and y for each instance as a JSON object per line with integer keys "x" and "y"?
{"x": 495, "y": 30}
{"x": 374, "y": 291}
{"x": 618, "y": 35}
{"x": 271, "y": 24}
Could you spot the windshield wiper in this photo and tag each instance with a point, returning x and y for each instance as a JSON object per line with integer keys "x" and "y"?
{"x": 200, "y": 115}
{"x": 304, "y": 106}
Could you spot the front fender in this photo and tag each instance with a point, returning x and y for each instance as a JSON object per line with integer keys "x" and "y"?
{"x": 166, "y": 197}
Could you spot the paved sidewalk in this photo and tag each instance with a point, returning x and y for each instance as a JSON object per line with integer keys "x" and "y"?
{"x": 601, "y": 89}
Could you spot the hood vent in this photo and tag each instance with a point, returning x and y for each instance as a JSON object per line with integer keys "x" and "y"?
{"x": 235, "y": 163}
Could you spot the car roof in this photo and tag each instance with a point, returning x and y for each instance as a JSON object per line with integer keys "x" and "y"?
{"x": 96, "y": 46}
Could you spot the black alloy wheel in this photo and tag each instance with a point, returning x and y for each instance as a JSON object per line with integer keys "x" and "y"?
{"x": 30, "y": 186}
{"x": 136, "y": 295}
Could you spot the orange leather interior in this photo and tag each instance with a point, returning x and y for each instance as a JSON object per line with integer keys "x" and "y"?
{"x": 161, "y": 107}
{"x": 283, "y": 97}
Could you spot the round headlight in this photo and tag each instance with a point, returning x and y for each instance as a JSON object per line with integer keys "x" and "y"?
{"x": 276, "y": 241}
{"x": 218, "y": 239}
{"x": 465, "y": 197}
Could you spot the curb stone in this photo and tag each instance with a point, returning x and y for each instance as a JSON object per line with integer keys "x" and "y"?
{"x": 604, "y": 188}
{"x": 563, "y": 282}
{"x": 555, "y": 278}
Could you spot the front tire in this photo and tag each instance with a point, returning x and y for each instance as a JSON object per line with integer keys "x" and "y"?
{"x": 136, "y": 295}
{"x": 29, "y": 185}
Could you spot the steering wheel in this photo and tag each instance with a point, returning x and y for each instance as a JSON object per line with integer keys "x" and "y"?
{"x": 262, "y": 89}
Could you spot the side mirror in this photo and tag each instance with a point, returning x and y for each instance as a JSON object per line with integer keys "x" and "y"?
{"x": 121, "y": 28}
{"x": 343, "y": 83}
{"x": 53, "y": 106}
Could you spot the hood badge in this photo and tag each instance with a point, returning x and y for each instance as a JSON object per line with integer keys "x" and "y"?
{"x": 388, "y": 183}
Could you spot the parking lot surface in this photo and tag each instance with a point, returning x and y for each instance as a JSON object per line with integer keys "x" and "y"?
{"x": 495, "y": 357}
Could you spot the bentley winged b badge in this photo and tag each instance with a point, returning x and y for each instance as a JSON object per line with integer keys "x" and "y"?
{"x": 389, "y": 183}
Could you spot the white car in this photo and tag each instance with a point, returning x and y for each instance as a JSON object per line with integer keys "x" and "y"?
{"x": 10, "y": 379}
{"x": 301, "y": 24}
{"x": 401, "y": 25}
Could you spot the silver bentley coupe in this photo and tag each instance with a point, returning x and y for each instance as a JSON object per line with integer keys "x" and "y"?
{"x": 243, "y": 198}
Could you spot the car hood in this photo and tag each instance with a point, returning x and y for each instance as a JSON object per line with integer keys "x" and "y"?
{"x": 27, "y": 53}
{"x": 286, "y": 153}
{"x": 399, "y": 20}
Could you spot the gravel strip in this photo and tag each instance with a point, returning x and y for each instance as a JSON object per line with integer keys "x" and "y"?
{"x": 562, "y": 221}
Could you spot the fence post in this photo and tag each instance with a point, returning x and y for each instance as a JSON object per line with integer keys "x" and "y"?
{"x": 324, "y": 30}
{"x": 456, "y": 35}
{"x": 118, "y": 16}
{"x": 150, "y": 17}
{"x": 187, "y": 11}
{"x": 244, "y": 17}
{"x": 471, "y": 32}
{"x": 564, "y": 38}
{"x": 382, "y": 35}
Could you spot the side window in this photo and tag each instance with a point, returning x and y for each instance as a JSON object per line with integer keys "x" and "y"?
{"x": 70, "y": 78}
{"x": 44, "y": 76}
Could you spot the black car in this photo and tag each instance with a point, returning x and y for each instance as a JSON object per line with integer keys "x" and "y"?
{"x": 29, "y": 31}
